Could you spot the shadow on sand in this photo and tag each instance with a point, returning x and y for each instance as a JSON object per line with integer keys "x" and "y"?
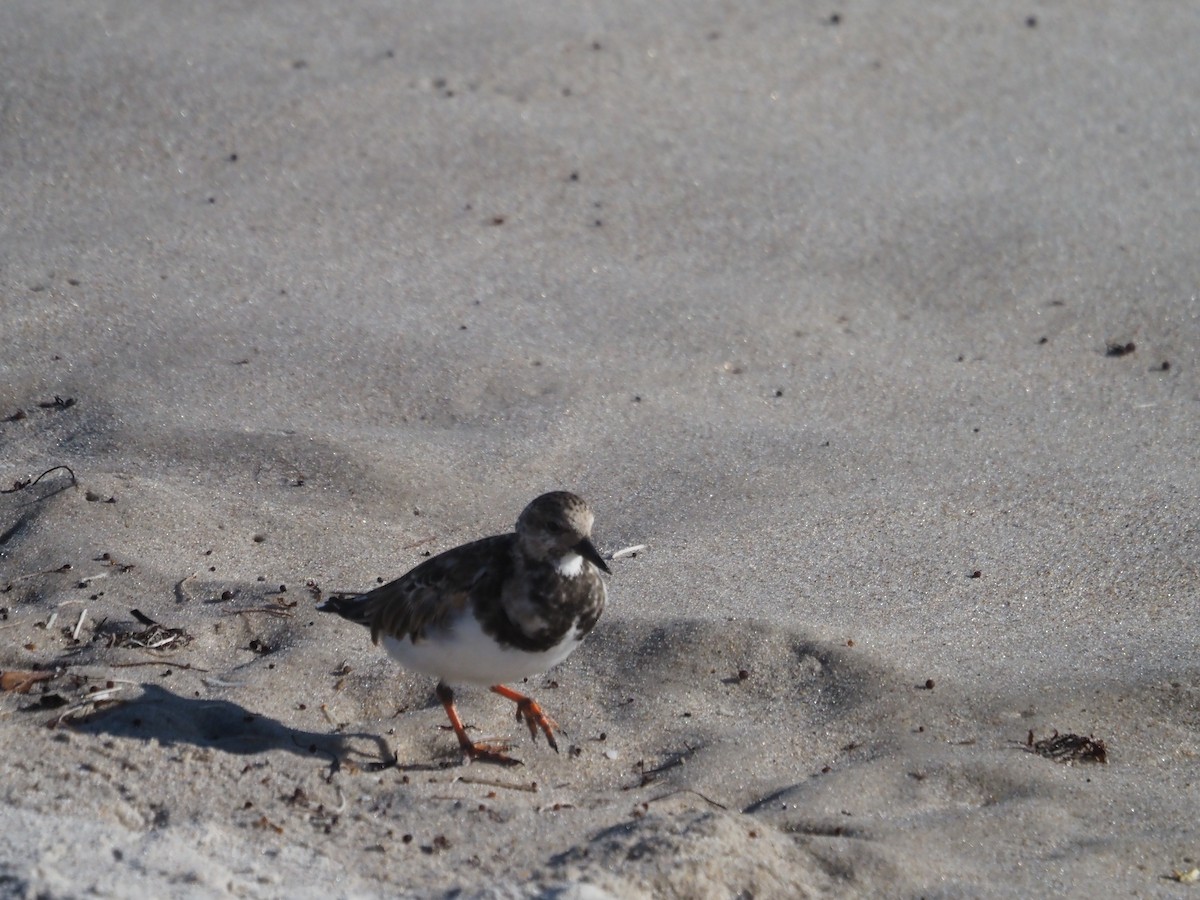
{"x": 171, "y": 719}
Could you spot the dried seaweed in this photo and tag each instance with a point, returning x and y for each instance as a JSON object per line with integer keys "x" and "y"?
{"x": 1069, "y": 748}
{"x": 21, "y": 484}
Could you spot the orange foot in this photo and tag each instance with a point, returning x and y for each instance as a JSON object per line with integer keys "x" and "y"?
{"x": 531, "y": 714}
{"x": 490, "y": 752}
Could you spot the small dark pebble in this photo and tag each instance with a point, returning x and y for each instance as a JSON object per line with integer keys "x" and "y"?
{"x": 1031, "y": 21}
{"x": 1116, "y": 349}
{"x": 977, "y": 574}
{"x": 743, "y": 674}
{"x": 929, "y": 684}
{"x": 1166, "y": 366}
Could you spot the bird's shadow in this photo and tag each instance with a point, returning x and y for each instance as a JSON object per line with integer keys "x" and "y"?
{"x": 159, "y": 714}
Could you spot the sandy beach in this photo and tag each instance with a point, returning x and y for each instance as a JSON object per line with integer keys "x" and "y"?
{"x": 876, "y": 323}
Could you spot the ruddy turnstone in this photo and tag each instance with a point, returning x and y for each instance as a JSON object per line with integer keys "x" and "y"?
{"x": 494, "y": 610}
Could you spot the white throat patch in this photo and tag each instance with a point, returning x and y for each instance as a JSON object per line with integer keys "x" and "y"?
{"x": 570, "y": 566}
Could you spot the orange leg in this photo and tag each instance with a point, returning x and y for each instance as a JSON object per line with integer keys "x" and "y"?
{"x": 531, "y": 714}
{"x": 493, "y": 753}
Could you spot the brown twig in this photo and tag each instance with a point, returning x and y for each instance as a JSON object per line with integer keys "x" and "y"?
{"x": 530, "y": 788}
{"x": 156, "y": 662}
{"x": 708, "y": 800}
{"x": 277, "y": 611}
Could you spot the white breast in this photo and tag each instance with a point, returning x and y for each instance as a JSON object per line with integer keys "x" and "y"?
{"x": 467, "y": 655}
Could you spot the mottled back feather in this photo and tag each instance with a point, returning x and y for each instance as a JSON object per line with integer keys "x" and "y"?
{"x": 437, "y": 590}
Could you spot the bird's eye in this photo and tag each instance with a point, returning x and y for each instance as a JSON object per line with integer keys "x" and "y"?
{"x": 554, "y": 528}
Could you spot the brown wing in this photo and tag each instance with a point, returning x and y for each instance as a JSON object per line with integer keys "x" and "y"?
{"x": 438, "y": 589}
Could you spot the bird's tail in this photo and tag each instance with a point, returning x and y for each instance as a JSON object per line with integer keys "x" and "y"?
{"x": 348, "y": 606}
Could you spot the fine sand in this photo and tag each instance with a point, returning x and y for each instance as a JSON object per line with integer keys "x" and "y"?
{"x": 876, "y": 322}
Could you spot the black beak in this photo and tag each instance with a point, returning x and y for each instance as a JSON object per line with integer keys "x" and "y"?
{"x": 588, "y": 551}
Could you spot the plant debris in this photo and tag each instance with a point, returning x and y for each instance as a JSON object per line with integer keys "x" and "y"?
{"x": 57, "y": 403}
{"x": 649, "y": 776}
{"x": 153, "y": 637}
{"x": 95, "y": 698}
{"x": 21, "y": 484}
{"x": 20, "y": 682}
{"x": 1069, "y": 748}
